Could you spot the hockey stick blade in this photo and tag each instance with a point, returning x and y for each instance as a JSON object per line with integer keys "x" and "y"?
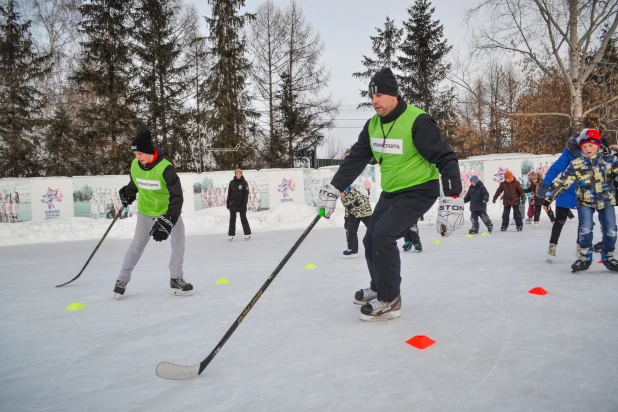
{"x": 171, "y": 371}
{"x": 168, "y": 370}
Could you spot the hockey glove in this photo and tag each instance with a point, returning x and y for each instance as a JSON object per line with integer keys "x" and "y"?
{"x": 125, "y": 199}
{"x": 450, "y": 215}
{"x": 162, "y": 228}
{"x": 326, "y": 199}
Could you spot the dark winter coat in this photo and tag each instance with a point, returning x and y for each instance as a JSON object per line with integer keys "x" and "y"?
{"x": 535, "y": 189}
{"x": 513, "y": 193}
{"x": 478, "y": 196}
{"x": 237, "y": 195}
{"x": 567, "y": 198}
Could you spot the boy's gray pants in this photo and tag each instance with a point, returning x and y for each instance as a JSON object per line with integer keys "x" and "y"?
{"x": 140, "y": 240}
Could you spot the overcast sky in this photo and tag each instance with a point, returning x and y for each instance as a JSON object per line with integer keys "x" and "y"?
{"x": 345, "y": 26}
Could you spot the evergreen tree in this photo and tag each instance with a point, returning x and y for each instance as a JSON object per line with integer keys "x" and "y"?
{"x": 385, "y": 47}
{"x": 230, "y": 116}
{"x": 422, "y": 63}
{"x": 161, "y": 84}
{"x": 106, "y": 68}
{"x": 60, "y": 144}
{"x": 20, "y": 101}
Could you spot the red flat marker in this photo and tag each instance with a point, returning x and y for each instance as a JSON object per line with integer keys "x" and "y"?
{"x": 537, "y": 291}
{"x": 600, "y": 262}
{"x": 420, "y": 342}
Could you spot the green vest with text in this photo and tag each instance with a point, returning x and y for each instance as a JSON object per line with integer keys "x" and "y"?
{"x": 402, "y": 165}
{"x": 153, "y": 197}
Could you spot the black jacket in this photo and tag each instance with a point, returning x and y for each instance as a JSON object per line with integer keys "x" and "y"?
{"x": 478, "y": 196}
{"x": 428, "y": 141}
{"x": 172, "y": 182}
{"x": 237, "y": 195}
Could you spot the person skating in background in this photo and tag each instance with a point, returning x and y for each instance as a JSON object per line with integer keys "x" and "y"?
{"x": 513, "y": 196}
{"x": 478, "y": 196}
{"x": 237, "y": 199}
{"x": 412, "y": 238}
{"x": 413, "y": 157}
{"x": 594, "y": 172}
{"x": 357, "y": 210}
{"x": 534, "y": 184}
{"x": 160, "y": 200}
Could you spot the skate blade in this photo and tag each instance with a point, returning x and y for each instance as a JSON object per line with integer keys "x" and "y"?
{"x": 360, "y": 302}
{"x": 178, "y": 292}
{"x": 117, "y": 296}
{"x": 393, "y": 314}
{"x": 350, "y": 256}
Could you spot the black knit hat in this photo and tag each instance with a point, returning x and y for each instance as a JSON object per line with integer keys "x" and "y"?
{"x": 384, "y": 82}
{"x": 143, "y": 142}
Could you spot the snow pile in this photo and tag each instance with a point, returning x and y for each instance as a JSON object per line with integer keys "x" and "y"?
{"x": 285, "y": 216}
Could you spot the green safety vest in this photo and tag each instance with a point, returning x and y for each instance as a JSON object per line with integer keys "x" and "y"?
{"x": 153, "y": 197}
{"x": 402, "y": 165}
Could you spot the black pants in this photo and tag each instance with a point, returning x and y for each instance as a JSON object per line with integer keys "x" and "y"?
{"x": 537, "y": 213}
{"x": 393, "y": 216}
{"x": 516, "y": 215}
{"x": 351, "y": 230}
{"x": 562, "y": 213}
{"x": 413, "y": 235}
{"x": 243, "y": 219}
{"x": 474, "y": 218}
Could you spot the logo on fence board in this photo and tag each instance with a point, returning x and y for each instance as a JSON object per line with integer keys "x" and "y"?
{"x": 52, "y": 195}
{"x": 286, "y": 184}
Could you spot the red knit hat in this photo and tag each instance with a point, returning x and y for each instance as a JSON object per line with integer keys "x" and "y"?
{"x": 591, "y": 136}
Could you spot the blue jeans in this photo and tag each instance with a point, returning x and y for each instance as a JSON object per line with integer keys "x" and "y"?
{"x": 607, "y": 218}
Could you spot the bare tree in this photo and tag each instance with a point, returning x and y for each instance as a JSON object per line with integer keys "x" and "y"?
{"x": 333, "y": 146}
{"x": 550, "y": 33}
{"x": 267, "y": 41}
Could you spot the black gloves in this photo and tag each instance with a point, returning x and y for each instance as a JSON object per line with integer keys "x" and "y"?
{"x": 493, "y": 201}
{"x": 162, "y": 228}
{"x": 125, "y": 199}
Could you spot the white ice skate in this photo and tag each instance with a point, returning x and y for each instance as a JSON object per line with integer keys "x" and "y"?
{"x": 551, "y": 253}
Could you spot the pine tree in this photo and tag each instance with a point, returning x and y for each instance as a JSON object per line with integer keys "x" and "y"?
{"x": 161, "y": 84}
{"x": 106, "y": 68}
{"x": 422, "y": 63}
{"x": 230, "y": 116}
{"x": 20, "y": 101}
{"x": 385, "y": 47}
{"x": 60, "y": 144}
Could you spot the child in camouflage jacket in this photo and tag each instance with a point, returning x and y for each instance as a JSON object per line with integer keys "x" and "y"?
{"x": 357, "y": 210}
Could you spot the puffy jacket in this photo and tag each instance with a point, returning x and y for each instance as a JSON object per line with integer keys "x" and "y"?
{"x": 513, "y": 193}
{"x": 478, "y": 196}
{"x": 237, "y": 195}
{"x": 595, "y": 180}
{"x": 356, "y": 203}
{"x": 566, "y": 198}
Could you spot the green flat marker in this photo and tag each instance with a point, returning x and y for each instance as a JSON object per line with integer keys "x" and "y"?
{"x": 222, "y": 281}
{"x": 76, "y": 306}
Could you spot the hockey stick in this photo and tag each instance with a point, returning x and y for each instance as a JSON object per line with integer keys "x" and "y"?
{"x": 167, "y": 370}
{"x": 95, "y": 249}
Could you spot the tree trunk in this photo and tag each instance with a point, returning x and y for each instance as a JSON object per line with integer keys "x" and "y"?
{"x": 577, "y": 106}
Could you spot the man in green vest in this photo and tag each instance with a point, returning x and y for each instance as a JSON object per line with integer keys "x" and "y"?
{"x": 413, "y": 157}
{"x": 159, "y": 201}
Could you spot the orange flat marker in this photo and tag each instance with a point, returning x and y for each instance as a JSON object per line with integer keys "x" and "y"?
{"x": 600, "y": 262}
{"x": 537, "y": 291}
{"x": 420, "y": 342}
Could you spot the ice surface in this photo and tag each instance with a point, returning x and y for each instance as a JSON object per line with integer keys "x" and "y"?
{"x": 302, "y": 347}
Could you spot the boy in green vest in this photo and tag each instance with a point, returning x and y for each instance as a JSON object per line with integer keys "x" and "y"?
{"x": 159, "y": 203}
{"x": 413, "y": 157}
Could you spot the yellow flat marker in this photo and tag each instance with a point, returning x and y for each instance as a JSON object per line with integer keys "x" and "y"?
{"x": 436, "y": 242}
{"x": 222, "y": 281}
{"x": 484, "y": 234}
{"x": 76, "y": 306}
{"x": 311, "y": 266}
{"x": 469, "y": 235}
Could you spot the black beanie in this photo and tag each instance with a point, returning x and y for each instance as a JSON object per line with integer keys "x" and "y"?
{"x": 143, "y": 142}
{"x": 384, "y": 82}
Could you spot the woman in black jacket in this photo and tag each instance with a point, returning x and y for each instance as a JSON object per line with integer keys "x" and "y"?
{"x": 237, "y": 198}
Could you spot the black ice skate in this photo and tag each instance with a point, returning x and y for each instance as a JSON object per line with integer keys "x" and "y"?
{"x": 364, "y": 295}
{"x": 473, "y": 231}
{"x": 582, "y": 263}
{"x": 349, "y": 254}
{"x": 490, "y": 228}
{"x": 598, "y": 247}
{"x": 418, "y": 247}
{"x": 610, "y": 262}
{"x": 407, "y": 246}
{"x": 519, "y": 228}
{"x": 503, "y": 228}
{"x": 180, "y": 287}
{"x": 376, "y": 310}
{"x": 121, "y": 286}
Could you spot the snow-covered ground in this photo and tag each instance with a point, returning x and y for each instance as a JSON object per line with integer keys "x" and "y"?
{"x": 302, "y": 347}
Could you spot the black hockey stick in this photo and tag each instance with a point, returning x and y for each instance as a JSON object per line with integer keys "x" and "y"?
{"x": 167, "y": 370}
{"x": 95, "y": 249}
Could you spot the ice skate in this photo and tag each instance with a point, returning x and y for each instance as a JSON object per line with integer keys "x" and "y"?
{"x": 364, "y": 295}
{"x": 551, "y": 253}
{"x": 376, "y": 310}
{"x": 583, "y": 262}
{"x": 349, "y": 254}
{"x": 180, "y": 288}
{"x": 473, "y": 231}
{"x": 610, "y": 262}
{"x": 503, "y": 228}
{"x": 247, "y": 237}
{"x": 418, "y": 247}
{"x": 598, "y": 247}
{"x": 407, "y": 246}
{"x": 528, "y": 220}
{"x": 536, "y": 225}
{"x": 230, "y": 238}
{"x": 120, "y": 288}
{"x": 490, "y": 228}
{"x": 520, "y": 228}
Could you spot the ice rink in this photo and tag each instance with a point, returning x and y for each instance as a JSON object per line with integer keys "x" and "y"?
{"x": 303, "y": 348}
